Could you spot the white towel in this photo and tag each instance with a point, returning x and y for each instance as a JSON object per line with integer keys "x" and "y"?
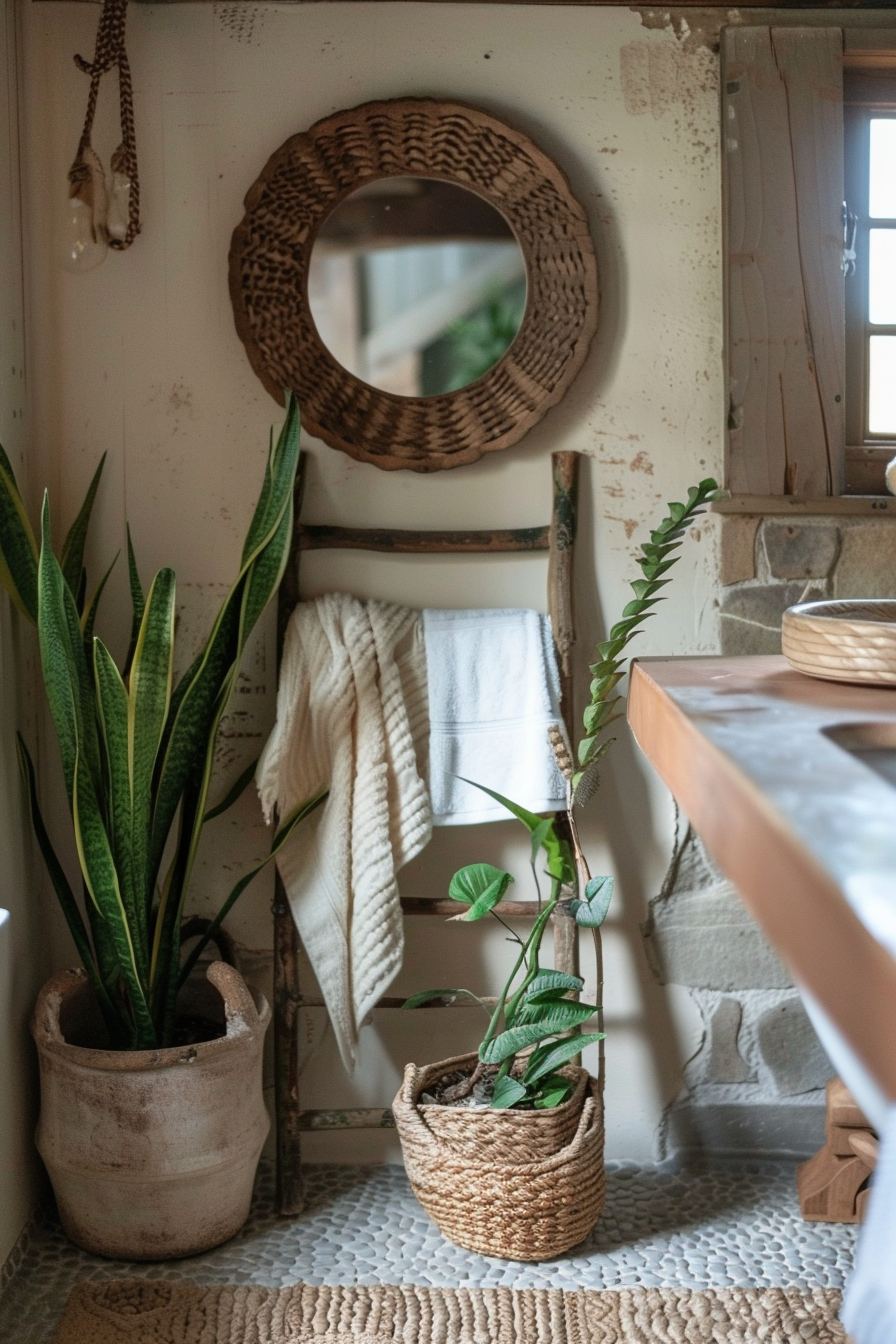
{"x": 351, "y": 716}
{"x": 869, "y": 1307}
{"x": 494, "y": 690}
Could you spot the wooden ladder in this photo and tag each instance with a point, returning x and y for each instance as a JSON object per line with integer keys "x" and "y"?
{"x": 558, "y": 539}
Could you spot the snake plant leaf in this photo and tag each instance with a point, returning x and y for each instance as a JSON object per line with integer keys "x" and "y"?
{"x": 72, "y": 556}
{"x": 236, "y": 790}
{"x": 570, "y": 1011}
{"x": 101, "y": 878}
{"x": 149, "y": 696}
{"x": 67, "y": 681}
{"x": 279, "y": 477}
{"x": 112, "y": 715}
{"x": 284, "y": 832}
{"x": 508, "y": 1091}
{"x": 137, "y": 603}
{"x": 547, "y": 1058}
{"x": 439, "y": 998}
{"x": 165, "y": 955}
{"x": 551, "y": 982}
{"x": 197, "y": 713}
{"x": 516, "y": 1038}
{"x": 479, "y": 886}
{"x": 264, "y": 574}
{"x": 18, "y": 548}
{"x": 251, "y": 592}
{"x": 66, "y": 897}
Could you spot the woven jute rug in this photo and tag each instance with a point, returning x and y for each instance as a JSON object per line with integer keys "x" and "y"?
{"x": 123, "y": 1310}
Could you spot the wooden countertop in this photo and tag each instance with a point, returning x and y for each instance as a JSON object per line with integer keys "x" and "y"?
{"x": 767, "y": 764}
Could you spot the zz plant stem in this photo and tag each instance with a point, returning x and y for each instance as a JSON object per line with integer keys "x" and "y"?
{"x": 535, "y": 1012}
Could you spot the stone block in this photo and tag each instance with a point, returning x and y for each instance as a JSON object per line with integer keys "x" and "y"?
{"x": 791, "y": 1050}
{"x": 776, "y": 1129}
{"x": 867, "y": 564}
{"x": 750, "y": 619}
{"x": 707, "y": 940}
{"x": 743, "y": 638}
{"x": 799, "y": 550}
{"x": 698, "y": 932}
{"x": 738, "y": 548}
{"x": 762, "y": 603}
{"x": 724, "y": 1062}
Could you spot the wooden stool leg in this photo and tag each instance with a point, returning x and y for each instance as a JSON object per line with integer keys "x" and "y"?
{"x": 833, "y": 1185}
{"x": 829, "y": 1186}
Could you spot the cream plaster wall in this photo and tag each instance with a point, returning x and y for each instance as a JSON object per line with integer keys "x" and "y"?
{"x": 22, "y": 963}
{"x": 140, "y": 357}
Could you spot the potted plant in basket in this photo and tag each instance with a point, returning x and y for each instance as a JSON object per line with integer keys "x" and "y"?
{"x": 151, "y": 1135}
{"x": 504, "y": 1149}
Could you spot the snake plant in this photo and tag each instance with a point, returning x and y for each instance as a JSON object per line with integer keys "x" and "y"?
{"x": 534, "y": 1016}
{"x": 137, "y": 750}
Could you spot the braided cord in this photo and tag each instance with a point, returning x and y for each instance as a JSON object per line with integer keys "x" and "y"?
{"x": 110, "y": 53}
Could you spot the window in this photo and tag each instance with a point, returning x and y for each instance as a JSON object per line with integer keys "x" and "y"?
{"x": 870, "y": 180}
{"x": 809, "y": 118}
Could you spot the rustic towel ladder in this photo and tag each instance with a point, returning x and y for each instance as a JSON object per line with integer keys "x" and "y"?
{"x": 558, "y": 539}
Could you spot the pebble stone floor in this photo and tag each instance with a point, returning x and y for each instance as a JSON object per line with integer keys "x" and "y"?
{"x": 730, "y": 1223}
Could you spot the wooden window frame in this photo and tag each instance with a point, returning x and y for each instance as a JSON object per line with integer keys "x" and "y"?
{"x": 868, "y": 91}
{"x": 857, "y": 459}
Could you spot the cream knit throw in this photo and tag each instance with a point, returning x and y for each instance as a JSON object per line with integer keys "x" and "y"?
{"x": 351, "y": 716}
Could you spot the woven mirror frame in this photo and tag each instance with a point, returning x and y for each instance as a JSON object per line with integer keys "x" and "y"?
{"x": 301, "y": 185}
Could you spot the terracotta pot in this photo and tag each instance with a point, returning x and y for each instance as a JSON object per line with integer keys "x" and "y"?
{"x": 523, "y": 1185}
{"x": 152, "y": 1153}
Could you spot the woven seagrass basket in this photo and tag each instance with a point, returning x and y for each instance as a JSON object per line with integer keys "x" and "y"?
{"x": 522, "y": 1185}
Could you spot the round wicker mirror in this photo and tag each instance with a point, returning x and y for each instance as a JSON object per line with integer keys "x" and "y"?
{"x": 414, "y": 138}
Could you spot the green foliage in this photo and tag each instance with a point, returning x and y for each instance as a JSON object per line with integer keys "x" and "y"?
{"x": 480, "y": 887}
{"x": 655, "y": 559}
{"x": 534, "y": 1008}
{"x": 535, "y": 1011}
{"x": 475, "y": 343}
{"x": 136, "y": 750}
{"x": 591, "y": 912}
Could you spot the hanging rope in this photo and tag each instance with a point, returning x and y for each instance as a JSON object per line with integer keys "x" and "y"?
{"x": 85, "y": 175}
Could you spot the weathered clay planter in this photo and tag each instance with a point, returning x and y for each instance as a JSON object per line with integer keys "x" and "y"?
{"x": 524, "y": 1185}
{"x": 152, "y": 1153}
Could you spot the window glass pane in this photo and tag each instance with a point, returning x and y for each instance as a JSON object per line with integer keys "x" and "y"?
{"x": 882, "y": 277}
{"x": 882, "y": 186}
{"x": 882, "y": 385}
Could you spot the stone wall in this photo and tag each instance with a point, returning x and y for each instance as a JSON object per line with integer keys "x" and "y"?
{"x": 755, "y": 1084}
{"x": 768, "y": 564}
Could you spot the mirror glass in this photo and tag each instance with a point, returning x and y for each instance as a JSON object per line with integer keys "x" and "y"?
{"x": 416, "y": 286}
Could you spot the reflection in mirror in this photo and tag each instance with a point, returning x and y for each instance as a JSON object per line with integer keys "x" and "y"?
{"x": 416, "y": 286}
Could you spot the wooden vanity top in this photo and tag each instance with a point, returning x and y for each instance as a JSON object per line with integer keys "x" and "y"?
{"x": 780, "y": 774}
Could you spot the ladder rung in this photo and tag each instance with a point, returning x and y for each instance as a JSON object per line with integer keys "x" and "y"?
{"x": 311, "y": 537}
{"x": 396, "y": 1001}
{"x": 363, "y": 1117}
{"x": 419, "y": 905}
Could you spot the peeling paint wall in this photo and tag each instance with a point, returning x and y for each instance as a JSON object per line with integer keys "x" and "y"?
{"x": 22, "y": 961}
{"x": 140, "y": 357}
